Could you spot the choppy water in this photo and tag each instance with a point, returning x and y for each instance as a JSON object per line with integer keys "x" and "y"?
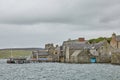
{"x": 58, "y": 71}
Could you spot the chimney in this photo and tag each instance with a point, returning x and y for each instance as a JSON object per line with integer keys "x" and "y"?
{"x": 81, "y": 39}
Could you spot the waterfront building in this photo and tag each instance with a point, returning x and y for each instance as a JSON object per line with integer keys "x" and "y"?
{"x": 70, "y": 46}
{"x": 103, "y": 51}
{"x": 42, "y": 56}
{"x": 115, "y": 41}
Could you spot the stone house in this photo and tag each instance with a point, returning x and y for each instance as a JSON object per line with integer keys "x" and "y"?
{"x": 70, "y": 46}
{"x": 104, "y": 50}
{"x": 55, "y": 51}
{"x": 115, "y": 41}
{"x": 42, "y": 56}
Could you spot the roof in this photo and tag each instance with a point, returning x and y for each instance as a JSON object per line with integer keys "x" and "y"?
{"x": 43, "y": 53}
{"x": 98, "y": 45}
{"x": 76, "y": 45}
{"x": 79, "y": 46}
{"x": 76, "y": 53}
{"x": 73, "y": 42}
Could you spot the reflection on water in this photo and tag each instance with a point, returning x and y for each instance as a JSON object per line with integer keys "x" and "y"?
{"x": 59, "y": 71}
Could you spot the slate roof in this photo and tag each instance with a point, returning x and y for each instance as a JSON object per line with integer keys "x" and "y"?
{"x": 98, "y": 45}
{"x": 84, "y": 45}
{"x": 77, "y": 45}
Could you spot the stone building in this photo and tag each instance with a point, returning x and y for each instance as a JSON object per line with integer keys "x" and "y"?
{"x": 55, "y": 51}
{"x": 115, "y": 41}
{"x": 47, "y": 46}
{"x": 42, "y": 56}
{"x": 104, "y": 50}
{"x": 49, "y": 54}
{"x": 74, "y": 51}
{"x": 70, "y": 46}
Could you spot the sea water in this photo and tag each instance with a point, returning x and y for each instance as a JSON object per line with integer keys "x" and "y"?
{"x": 58, "y": 71}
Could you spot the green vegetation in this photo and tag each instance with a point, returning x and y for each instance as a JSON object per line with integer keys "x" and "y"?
{"x": 15, "y": 53}
{"x": 99, "y": 39}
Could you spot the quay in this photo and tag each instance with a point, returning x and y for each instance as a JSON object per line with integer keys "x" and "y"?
{"x": 18, "y": 60}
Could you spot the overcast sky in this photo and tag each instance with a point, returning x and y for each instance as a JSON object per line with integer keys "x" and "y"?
{"x": 33, "y": 23}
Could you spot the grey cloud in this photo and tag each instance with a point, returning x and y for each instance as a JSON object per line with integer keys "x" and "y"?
{"x": 53, "y": 11}
{"x": 27, "y": 23}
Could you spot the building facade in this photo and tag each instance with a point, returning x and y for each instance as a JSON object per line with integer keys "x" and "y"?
{"x": 115, "y": 41}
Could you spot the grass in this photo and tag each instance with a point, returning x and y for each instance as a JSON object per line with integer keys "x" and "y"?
{"x": 15, "y": 53}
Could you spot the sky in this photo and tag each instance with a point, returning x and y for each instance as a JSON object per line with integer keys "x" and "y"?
{"x": 33, "y": 23}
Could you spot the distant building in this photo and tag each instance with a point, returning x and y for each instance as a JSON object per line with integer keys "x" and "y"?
{"x": 42, "y": 56}
{"x": 47, "y": 46}
{"x": 50, "y": 54}
{"x": 55, "y": 51}
{"x": 115, "y": 41}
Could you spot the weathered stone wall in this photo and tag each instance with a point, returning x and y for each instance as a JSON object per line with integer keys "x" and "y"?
{"x": 103, "y": 59}
{"x": 83, "y": 57}
{"x": 115, "y": 59}
{"x": 62, "y": 59}
{"x": 104, "y": 53}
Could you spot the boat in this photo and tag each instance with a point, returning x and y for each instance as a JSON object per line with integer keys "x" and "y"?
{"x": 10, "y": 60}
{"x": 18, "y": 60}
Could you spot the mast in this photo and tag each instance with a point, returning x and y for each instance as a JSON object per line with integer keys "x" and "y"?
{"x": 11, "y": 53}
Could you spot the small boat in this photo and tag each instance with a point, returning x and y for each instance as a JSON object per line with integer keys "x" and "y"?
{"x": 11, "y": 60}
{"x": 17, "y": 60}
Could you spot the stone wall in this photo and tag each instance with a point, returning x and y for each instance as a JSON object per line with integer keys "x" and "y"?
{"x": 115, "y": 59}
{"x": 103, "y": 59}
